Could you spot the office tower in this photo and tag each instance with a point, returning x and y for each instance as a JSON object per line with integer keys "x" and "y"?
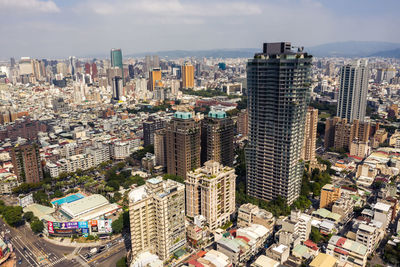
{"x": 87, "y": 68}
{"x": 154, "y": 79}
{"x": 94, "y": 70}
{"x": 187, "y": 76}
{"x": 210, "y": 191}
{"x": 353, "y": 91}
{"x": 329, "y": 194}
{"x": 278, "y": 82}
{"x": 25, "y": 66}
{"x": 380, "y": 75}
{"x": 147, "y": 64}
{"x": 156, "y": 61}
{"x": 243, "y": 122}
{"x": 12, "y": 62}
{"x": 149, "y": 127}
{"x": 72, "y": 65}
{"x": 217, "y": 138}
{"x": 26, "y": 163}
{"x": 117, "y": 87}
{"x": 131, "y": 71}
{"x": 183, "y": 144}
{"x": 310, "y": 135}
{"x": 198, "y": 70}
{"x": 330, "y": 69}
{"x": 160, "y": 147}
{"x": 116, "y": 60}
{"x": 157, "y": 217}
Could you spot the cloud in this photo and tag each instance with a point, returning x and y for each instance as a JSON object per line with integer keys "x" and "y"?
{"x": 170, "y": 8}
{"x": 29, "y": 6}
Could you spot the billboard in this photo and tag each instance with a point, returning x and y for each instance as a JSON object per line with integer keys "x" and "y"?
{"x": 80, "y": 228}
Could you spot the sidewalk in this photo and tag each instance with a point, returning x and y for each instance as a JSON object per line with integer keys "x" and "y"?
{"x": 67, "y": 242}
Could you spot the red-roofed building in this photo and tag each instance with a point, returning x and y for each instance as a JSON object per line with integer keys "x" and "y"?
{"x": 195, "y": 263}
{"x": 308, "y": 243}
{"x": 244, "y": 238}
{"x": 341, "y": 242}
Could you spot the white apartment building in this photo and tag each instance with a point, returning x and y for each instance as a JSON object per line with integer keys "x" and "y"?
{"x": 70, "y": 164}
{"x": 382, "y": 213}
{"x": 210, "y": 191}
{"x": 298, "y": 223}
{"x": 120, "y": 150}
{"x": 157, "y": 217}
{"x": 368, "y": 235}
{"x": 100, "y": 154}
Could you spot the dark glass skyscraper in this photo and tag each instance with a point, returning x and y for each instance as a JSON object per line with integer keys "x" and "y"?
{"x": 278, "y": 81}
{"x": 116, "y": 60}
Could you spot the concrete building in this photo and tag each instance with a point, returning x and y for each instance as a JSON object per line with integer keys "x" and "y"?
{"x": 26, "y": 163}
{"x": 382, "y": 213}
{"x": 120, "y": 150}
{"x": 343, "y": 206}
{"x": 149, "y": 128}
{"x": 359, "y": 149}
{"x": 346, "y": 250}
{"x": 298, "y": 224}
{"x": 279, "y": 253}
{"x": 310, "y": 135}
{"x": 251, "y": 214}
{"x": 278, "y": 81}
{"x": 243, "y": 122}
{"x": 368, "y": 235}
{"x": 217, "y": 138}
{"x": 155, "y": 79}
{"x": 353, "y": 91}
{"x": 183, "y": 137}
{"x": 160, "y": 148}
{"x": 329, "y": 194}
{"x": 210, "y": 192}
{"x": 157, "y": 217}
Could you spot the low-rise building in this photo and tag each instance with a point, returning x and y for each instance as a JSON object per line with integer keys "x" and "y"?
{"x": 329, "y": 194}
{"x": 346, "y": 250}
{"x": 368, "y": 235}
{"x": 279, "y": 253}
{"x": 251, "y": 214}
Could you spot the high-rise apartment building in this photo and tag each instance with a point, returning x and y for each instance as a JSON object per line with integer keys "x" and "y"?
{"x": 157, "y": 217}
{"x": 155, "y": 79}
{"x": 183, "y": 136}
{"x": 187, "y": 76}
{"x": 310, "y": 135}
{"x": 278, "y": 82}
{"x": 210, "y": 191}
{"x": 352, "y": 102}
{"x": 117, "y": 87}
{"x": 26, "y": 163}
{"x": 329, "y": 194}
{"x": 243, "y": 122}
{"x": 217, "y": 138}
{"x": 116, "y": 60}
{"x": 149, "y": 127}
{"x": 160, "y": 147}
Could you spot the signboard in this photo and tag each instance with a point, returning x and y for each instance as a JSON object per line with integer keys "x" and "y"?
{"x": 80, "y": 228}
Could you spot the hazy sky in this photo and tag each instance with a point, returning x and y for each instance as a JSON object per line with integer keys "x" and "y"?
{"x": 59, "y": 28}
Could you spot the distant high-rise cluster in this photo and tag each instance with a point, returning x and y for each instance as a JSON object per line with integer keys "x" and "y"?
{"x": 278, "y": 83}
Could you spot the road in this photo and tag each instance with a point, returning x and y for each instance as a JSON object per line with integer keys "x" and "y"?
{"x": 35, "y": 251}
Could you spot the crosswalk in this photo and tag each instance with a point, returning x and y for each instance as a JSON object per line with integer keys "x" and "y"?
{"x": 57, "y": 261}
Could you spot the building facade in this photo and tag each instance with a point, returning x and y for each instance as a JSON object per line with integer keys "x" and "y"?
{"x": 217, "y": 138}
{"x": 310, "y": 135}
{"x": 157, "y": 217}
{"x": 187, "y": 76}
{"x": 183, "y": 137}
{"x": 26, "y": 162}
{"x": 352, "y": 102}
{"x": 210, "y": 191}
{"x": 278, "y": 82}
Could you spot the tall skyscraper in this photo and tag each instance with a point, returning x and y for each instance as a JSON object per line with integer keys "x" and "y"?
{"x": 210, "y": 191}
{"x": 12, "y": 62}
{"x": 116, "y": 60}
{"x": 278, "y": 82}
{"x": 94, "y": 70}
{"x": 117, "y": 87}
{"x": 352, "y": 102}
{"x": 187, "y": 76}
{"x": 157, "y": 217}
{"x": 160, "y": 147}
{"x": 243, "y": 122}
{"x": 183, "y": 144}
{"x": 149, "y": 127}
{"x": 310, "y": 135}
{"x": 154, "y": 79}
{"x": 26, "y": 162}
{"x": 217, "y": 138}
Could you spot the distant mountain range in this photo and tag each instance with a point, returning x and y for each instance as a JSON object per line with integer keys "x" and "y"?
{"x": 340, "y": 49}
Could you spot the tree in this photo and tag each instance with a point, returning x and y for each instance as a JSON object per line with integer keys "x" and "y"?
{"x": 315, "y": 235}
{"x": 122, "y": 262}
{"x": 28, "y": 216}
{"x": 118, "y": 225}
{"x": 37, "y": 226}
{"x": 13, "y": 215}
{"x": 174, "y": 177}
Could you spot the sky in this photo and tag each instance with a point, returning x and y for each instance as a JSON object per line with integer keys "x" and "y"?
{"x": 61, "y": 28}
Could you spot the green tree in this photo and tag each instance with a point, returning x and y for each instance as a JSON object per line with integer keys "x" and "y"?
{"x": 28, "y": 216}
{"x": 315, "y": 235}
{"x": 37, "y": 226}
{"x": 122, "y": 262}
{"x": 13, "y": 215}
{"x": 118, "y": 225}
{"x": 174, "y": 177}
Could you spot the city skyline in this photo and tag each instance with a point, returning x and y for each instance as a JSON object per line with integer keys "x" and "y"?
{"x": 57, "y": 28}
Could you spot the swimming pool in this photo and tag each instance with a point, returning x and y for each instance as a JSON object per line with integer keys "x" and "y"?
{"x": 67, "y": 199}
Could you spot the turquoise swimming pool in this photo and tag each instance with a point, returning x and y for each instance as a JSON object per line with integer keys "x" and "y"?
{"x": 67, "y": 199}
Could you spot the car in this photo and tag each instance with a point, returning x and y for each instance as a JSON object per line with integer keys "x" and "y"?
{"x": 20, "y": 261}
